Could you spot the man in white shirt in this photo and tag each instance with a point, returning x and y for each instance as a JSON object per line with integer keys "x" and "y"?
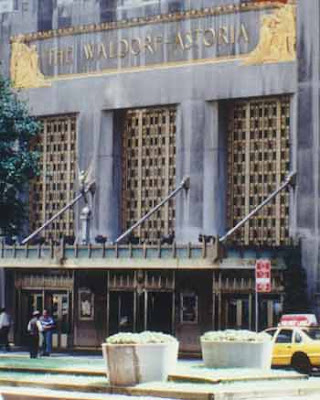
{"x": 5, "y": 324}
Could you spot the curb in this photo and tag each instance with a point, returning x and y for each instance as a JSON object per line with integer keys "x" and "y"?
{"x": 53, "y": 371}
{"x": 199, "y": 379}
{"x": 76, "y": 387}
{"x": 182, "y": 393}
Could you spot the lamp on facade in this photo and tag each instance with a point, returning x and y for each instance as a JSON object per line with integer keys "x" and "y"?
{"x": 167, "y": 239}
{"x": 38, "y": 240}
{"x": 100, "y": 239}
{"x": 10, "y": 240}
{"x": 69, "y": 240}
{"x": 133, "y": 239}
{"x": 206, "y": 238}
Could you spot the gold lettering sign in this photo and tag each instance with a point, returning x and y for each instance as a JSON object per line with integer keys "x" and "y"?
{"x": 206, "y": 40}
{"x": 153, "y": 44}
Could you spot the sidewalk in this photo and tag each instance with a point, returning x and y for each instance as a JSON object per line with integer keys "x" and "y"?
{"x": 86, "y": 375}
{"x": 56, "y": 363}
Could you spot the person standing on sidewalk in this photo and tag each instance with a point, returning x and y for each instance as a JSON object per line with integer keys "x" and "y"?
{"x": 34, "y": 327}
{"x": 5, "y": 324}
{"x": 48, "y": 326}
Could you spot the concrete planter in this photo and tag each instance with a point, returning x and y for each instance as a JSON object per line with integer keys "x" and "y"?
{"x": 130, "y": 364}
{"x": 237, "y": 354}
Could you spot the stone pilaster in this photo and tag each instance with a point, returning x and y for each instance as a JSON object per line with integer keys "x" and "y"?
{"x": 194, "y": 161}
{"x": 308, "y": 188}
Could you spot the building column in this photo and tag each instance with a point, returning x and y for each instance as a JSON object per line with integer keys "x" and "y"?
{"x": 189, "y": 150}
{"x": 199, "y": 156}
{"x": 307, "y": 142}
{"x": 99, "y": 154}
{"x": 108, "y": 198}
{"x": 2, "y": 287}
{"x": 214, "y": 186}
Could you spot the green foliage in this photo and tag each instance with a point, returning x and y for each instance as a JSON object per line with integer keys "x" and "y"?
{"x": 235, "y": 336}
{"x": 140, "y": 338}
{"x": 295, "y": 281}
{"x": 17, "y": 163}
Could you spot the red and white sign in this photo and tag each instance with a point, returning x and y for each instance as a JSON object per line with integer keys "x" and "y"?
{"x": 263, "y": 276}
{"x": 298, "y": 320}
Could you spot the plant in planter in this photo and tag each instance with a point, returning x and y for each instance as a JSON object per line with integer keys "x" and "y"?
{"x": 236, "y": 348}
{"x": 133, "y": 358}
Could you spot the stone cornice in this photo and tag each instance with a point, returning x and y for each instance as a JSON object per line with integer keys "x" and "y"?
{"x": 163, "y": 18}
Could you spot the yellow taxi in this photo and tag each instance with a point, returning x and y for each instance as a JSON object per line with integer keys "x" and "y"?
{"x": 296, "y": 343}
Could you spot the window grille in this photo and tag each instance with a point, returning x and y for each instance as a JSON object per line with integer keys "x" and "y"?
{"x": 258, "y": 161}
{"x": 54, "y": 188}
{"x": 149, "y": 171}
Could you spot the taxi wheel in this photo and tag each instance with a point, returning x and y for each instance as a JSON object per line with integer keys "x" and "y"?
{"x": 301, "y": 363}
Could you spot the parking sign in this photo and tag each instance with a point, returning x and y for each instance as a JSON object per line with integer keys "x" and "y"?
{"x": 263, "y": 276}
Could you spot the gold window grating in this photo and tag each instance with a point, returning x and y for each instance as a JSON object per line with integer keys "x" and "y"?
{"x": 149, "y": 171}
{"x": 54, "y": 188}
{"x": 258, "y": 161}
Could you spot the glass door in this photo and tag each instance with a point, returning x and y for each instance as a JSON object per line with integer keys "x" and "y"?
{"x": 30, "y": 301}
{"x": 237, "y": 312}
{"x": 121, "y": 317}
{"x": 58, "y": 305}
{"x": 269, "y": 311}
{"x": 159, "y": 311}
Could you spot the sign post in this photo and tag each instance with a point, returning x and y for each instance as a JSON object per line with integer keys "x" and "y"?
{"x": 263, "y": 283}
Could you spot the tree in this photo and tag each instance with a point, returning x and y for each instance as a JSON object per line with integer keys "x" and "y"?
{"x": 18, "y": 164}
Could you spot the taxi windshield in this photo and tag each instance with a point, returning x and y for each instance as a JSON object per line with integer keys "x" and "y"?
{"x": 313, "y": 333}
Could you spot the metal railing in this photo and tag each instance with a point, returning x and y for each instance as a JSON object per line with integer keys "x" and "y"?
{"x": 184, "y": 184}
{"x": 82, "y": 194}
{"x": 290, "y": 180}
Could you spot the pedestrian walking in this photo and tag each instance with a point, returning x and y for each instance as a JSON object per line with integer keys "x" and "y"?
{"x": 48, "y": 326}
{"x": 34, "y": 327}
{"x": 5, "y": 324}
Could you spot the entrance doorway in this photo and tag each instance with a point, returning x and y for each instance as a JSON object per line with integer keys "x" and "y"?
{"x": 140, "y": 300}
{"x": 237, "y": 312}
{"x": 121, "y": 313}
{"x": 269, "y": 311}
{"x": 135, "y": 312}
{"x": 58, "y": 305}
{"x": 159, "y": 312}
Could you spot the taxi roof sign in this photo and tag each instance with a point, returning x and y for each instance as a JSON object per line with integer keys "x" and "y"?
{"x": 298, "y": 320}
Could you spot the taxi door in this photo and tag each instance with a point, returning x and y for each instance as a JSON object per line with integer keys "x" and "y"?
{"x": 283, "y": 347}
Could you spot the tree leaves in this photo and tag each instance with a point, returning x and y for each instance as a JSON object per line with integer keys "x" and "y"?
{"x": 18, "y": 164}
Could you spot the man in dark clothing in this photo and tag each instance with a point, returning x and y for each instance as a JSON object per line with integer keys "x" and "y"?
{"x": 34, "y": 327}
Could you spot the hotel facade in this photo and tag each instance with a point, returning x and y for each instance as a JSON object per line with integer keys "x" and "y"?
{"x": 134, "y": 97}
